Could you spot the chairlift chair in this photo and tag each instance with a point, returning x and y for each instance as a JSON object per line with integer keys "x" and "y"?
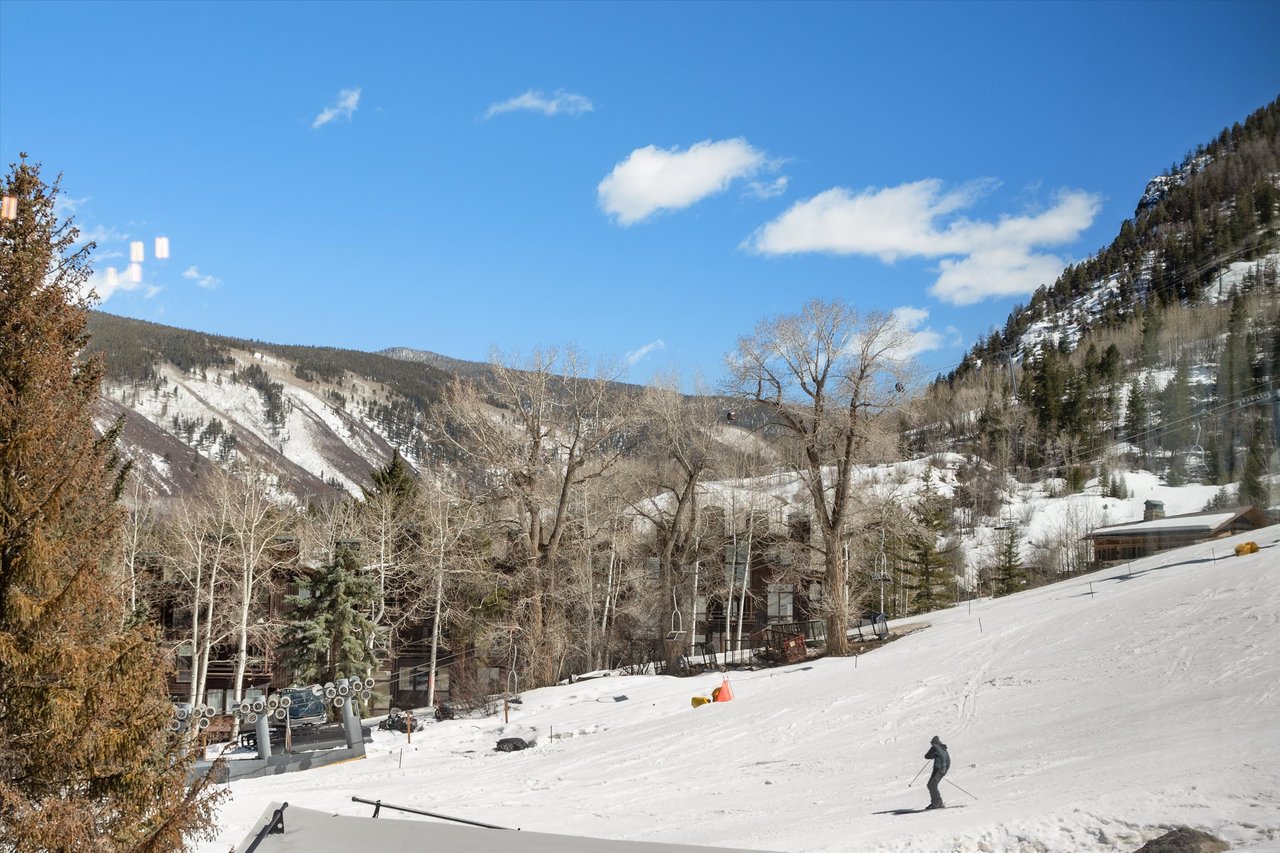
{"x": 677, "y": 631}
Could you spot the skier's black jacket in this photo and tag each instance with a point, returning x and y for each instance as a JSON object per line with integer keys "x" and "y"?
{"x": 941, "y": 758}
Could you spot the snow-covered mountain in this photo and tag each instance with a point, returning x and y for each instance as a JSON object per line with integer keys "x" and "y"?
{"x": 1089, "y": 715}
{"x": 1198, "y": 232}
{"x": 1070, "y": 323}
{"x": 318, "y": 439}
{"x": 1159, "y": 187}
{"x": 321, "y": 419}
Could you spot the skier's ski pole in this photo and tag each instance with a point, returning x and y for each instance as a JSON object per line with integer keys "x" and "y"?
{"x": 921, "y": 770}
{"x": 962, "y": 789}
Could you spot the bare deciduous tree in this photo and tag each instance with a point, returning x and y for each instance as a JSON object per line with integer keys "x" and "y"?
{"x": 827, "y": 374}
{"x": 554, "y": 428}
{"x": 1061, "y": 547}
{"x": 255, "y": 520}
{"x": 195, "y": 554}
{"x": 680, "y": 433}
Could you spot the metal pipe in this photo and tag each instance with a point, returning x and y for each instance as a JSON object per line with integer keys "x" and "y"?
{"x": 275, "y": 826}
{"x": 379, "y": 805}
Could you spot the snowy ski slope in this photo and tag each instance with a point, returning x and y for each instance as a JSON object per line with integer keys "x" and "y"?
{"x": 1090, "y": 715}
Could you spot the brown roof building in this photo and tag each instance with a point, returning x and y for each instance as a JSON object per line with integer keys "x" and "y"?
{"x": 1158, "y": 532}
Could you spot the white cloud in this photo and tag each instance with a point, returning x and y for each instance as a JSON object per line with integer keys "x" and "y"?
{"x": 561, "y": 103}
{"x": 652, "y": 179}
{"x": 106, "y": 283}
{"x": 348, "y": 102}
{"x": 923, "y": 338}
{"x": 637, "y": 355}
{"x": 1007, "y": 271}
{"x": 65, "y": 205}
{"x": 771, "y": 189}
{"x": 100, "y": 234}
{"x": 205, "y": 281}
{"x": 888, "y": 223}
{"x": 980, "y": 259}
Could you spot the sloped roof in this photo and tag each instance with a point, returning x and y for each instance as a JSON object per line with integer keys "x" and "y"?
{"x": 1209, "y": 522}
{"x": 310, "y": 831}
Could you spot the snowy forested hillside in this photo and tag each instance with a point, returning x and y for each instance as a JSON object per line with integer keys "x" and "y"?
{"x": 1161, "y": 351}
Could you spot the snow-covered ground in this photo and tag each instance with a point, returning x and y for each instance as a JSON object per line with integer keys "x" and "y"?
{"x": 1084, "y": 716}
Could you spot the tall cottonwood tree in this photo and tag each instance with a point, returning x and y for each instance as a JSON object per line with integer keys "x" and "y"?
{"x": 556, "y": 425}
{"x": 86, "y": 761}
{"x": 680, "y": 435}
{"x": 826, "y": 374}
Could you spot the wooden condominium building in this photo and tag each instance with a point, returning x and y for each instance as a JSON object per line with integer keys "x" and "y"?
{"x": 1158, "y": 532}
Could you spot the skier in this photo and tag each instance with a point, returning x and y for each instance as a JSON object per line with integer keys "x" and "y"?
{"x": 941, "y": 764}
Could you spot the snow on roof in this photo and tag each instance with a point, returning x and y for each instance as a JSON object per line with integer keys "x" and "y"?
{"x": 1197, "y": 521}
{"x": 311, "y": 831}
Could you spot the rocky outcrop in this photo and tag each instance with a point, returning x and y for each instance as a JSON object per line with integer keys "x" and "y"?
{"x": 1184, "y": 839}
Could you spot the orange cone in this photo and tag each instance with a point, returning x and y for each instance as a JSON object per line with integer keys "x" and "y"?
{"x": 724, "y": 693}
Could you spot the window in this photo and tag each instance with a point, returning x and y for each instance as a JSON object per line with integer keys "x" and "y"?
{"x": 735, "y": 561}
{"x": 781, "y": 599}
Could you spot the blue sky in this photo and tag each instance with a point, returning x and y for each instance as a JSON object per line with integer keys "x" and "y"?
{"x": 644, "y": 181}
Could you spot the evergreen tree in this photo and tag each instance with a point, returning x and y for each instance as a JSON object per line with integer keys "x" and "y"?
{"x": 1136, "y": 419}
{"x": 86, "y": 758}
{"x": 928, "y": 560}
{"x": 330, "y": 634}
{"x": 1222, "y": 499}
{"x": 1254, "y": 489}
{"x": 1008, "y": 574}
{"x": 1175, "y": 408}
{"x": 395, "y": 478}
{"x": 1109, "y": 367}
{"x": 1152, "y": 327}
{"x": 1234, "y": 369}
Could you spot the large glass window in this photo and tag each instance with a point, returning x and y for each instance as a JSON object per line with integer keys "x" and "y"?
{"x": 781, "y": 601}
